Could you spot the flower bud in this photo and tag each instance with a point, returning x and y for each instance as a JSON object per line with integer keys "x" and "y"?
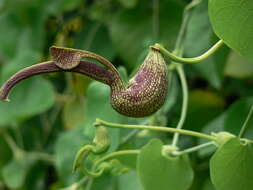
{"x": 101, "y": 140}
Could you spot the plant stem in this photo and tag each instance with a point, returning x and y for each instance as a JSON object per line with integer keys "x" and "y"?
{"x": 17, "y": 152}
{"x": 42, "y": 156}
{"x": 193, "y": 149}
{"x": 115, "y": 154}
{"x": 245, "y": 124}
{"x": 18, "y": 135}
{"x": 128, "y": 136}
{"x": 200, "y": 58}
{"x": 81, "y": 182}
{"x": 89, "y": 184}
{"x": 92, "y": 173}
{"x": 184, "y": 103}
{"x": 179, "y": 52}
{"x": 156, "y": 128}
{"x": 75, "y": 186}
{"x": 193, "y": 4}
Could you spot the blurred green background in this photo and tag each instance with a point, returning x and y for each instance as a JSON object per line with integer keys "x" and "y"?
{"x": 50, "y": 117}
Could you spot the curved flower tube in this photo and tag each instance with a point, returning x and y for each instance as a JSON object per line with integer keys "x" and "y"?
{"x": 144, "y": 94}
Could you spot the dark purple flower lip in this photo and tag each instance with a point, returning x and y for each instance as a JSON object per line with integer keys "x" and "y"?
{"x": 65, "y": 60}
{"x": 84, "y": 67}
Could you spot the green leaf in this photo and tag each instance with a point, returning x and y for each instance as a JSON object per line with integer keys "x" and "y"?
{"x": 232, "y": 22}
{"x": 208, "y": 185}
{"x": 200, "y": 38}
{"x": 74, "y": 112}
{"x": 216, "y": 125}
{"x": 23, "y": 59}
{"x": 26, "y": 101}
{"x": 58, "y": 6}
{"x": 235, "y": 119}
{"x": 67, "y": 145}
{"x": 231, "y": 121}
{"x": 5, "y": 154}
{"x": 8, "y": 40}
{"x": 105, "y": 182}
{"x": 15, "y": 172}
{"x": 129, "y": 181}
{"x": 203, "y": 107}
{"x": 128, "y": 3}
{"x": 232, "y": 165}
{"x": 132, "y": 30}
{"x": 238, "y": 67}
{"x": 95, "y": 37}
{"x": 164, "y": 173}
{"x": 36, "y": 176}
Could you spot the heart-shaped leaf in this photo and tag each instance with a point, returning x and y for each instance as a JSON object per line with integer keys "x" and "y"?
{"x": 231, "y": 166}
{"x": 164, "y": 173}
{"x": 232, "y": 21}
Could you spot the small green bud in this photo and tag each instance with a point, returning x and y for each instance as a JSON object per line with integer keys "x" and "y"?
{"x": 101, "y": 140}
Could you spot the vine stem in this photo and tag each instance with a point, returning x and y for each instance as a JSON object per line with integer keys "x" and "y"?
{"x": 42, "y": 156}
{"x": 155, "y": 128}
{"x": 179, "y": 51}
{"x": 197, "y": 59}
{"x": 17, "y": 152}
{"x": 115, "y": 154}
{"x": 128, "y": 137}
{"x": 184, "y": 103}
{"x": 89, "y": 184}
{"x": 193, "y": 149}
{"x": 245, "y": 124}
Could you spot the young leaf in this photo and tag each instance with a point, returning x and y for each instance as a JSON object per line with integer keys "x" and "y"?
{"x": 232, "y": 22}
{"x": 231, "y": 166}
{"x": 164, "y": 173}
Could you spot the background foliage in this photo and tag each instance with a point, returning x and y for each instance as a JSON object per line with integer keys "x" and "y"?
{"x": 50, "y": 117}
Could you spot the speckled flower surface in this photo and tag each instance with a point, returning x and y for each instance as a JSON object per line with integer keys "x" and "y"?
{"x": 146, "y": 91}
